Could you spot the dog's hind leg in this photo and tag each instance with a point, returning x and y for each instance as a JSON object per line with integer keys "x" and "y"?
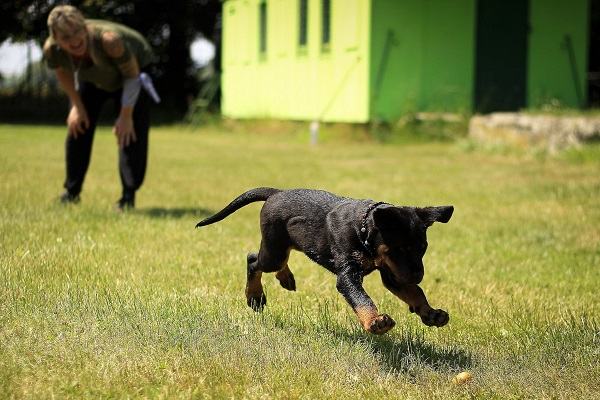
{"x": 286, "y": 278}
{"x": 255, "y": 296}
{"x": 272, "y": 257}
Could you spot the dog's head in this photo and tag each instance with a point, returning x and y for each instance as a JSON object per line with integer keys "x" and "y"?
{"x": 403, "y": 233}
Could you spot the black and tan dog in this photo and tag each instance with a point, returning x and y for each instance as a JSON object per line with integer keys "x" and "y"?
{"x": 349, "y": 237}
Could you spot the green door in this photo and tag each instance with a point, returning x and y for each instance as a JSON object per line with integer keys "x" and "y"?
{"x": 501, "y": 55}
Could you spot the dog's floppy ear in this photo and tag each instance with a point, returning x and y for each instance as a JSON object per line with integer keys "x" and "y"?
{"x": 429, "y": 215}
{"x": 391, "y": 220}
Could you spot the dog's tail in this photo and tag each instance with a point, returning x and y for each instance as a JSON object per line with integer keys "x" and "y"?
{"x": 251, "y": 196}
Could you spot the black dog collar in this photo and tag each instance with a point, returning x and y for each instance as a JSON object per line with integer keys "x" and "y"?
{"x": 364, "y": 234}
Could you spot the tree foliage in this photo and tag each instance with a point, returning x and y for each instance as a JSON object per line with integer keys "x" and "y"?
{"x": 169, "y": 25}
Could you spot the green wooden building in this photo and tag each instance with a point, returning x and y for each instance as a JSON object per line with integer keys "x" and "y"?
{"x": 366, "y": 60}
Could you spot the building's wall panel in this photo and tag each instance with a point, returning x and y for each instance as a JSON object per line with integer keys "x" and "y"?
{"x": 448, "y": 55}
{"x": 422, "y": 55}
{"x": 396, "y": 57}
{"x": 557, "y": 70}
{"x": 290, "y": 82}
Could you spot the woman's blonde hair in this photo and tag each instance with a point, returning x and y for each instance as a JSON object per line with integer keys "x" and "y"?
{"x": 65, "y": 19}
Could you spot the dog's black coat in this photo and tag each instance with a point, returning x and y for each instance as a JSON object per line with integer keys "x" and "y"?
{"x": 349, "y": 237}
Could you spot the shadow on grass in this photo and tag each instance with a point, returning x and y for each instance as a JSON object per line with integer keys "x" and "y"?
{"x": 405, "y": 350}
{"x": 175, "y": 213}
{"x": 411, "y": 353}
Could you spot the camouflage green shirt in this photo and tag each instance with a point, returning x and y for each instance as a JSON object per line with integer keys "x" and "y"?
{"x": 99, "y": 68}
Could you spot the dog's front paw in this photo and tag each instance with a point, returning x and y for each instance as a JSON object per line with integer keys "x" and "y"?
{"x": 435, "y": 318}
{"x": 381, "y": 324}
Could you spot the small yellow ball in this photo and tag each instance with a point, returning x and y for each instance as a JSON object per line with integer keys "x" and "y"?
{"x": 462, "y": 378}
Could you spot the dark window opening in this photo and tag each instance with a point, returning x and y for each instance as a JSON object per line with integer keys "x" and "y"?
{"x": 326, "y": 22}
{"x": 501, "y": 55}
{"x": 263, "y": 27}
{"x": 303, "y": 34}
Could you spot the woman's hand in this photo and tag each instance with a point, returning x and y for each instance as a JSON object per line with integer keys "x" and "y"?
{"x": 124, "y": 130}
{"x": 77, "y": 121}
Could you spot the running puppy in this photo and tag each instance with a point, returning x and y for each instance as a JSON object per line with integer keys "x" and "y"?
{"x": 349, "y": 237}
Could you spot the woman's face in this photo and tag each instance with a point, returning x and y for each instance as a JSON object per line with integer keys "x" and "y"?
{"x": 74, "y": 42}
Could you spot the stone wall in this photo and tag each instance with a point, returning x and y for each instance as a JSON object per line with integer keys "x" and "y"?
{"x": 547, "y": 131}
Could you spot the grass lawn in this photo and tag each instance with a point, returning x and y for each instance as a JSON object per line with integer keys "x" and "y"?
{"x": 98, "y": 304}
